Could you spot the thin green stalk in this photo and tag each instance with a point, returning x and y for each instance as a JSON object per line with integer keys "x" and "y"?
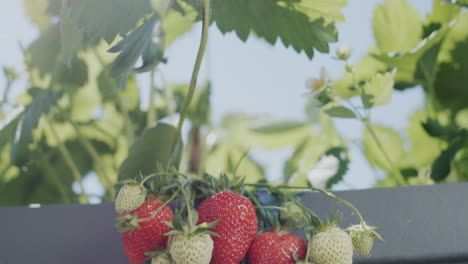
{"x": 96, "y": 159}
{"x": 196, "y": 69}
{"x": 151, "y": 115}
{"x": 160, "y": 208}
{"x": 69, "y": 161}
{"x": 365, "y": 120}
{"x": 328, "y": 194}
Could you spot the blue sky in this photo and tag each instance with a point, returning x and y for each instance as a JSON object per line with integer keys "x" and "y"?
{"x": 253, "y": 77}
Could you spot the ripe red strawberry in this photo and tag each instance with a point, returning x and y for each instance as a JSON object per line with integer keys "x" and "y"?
{"x": 272, "y": 247}
{"x": 149, "y": 234}
{"x": 236, "y": 228}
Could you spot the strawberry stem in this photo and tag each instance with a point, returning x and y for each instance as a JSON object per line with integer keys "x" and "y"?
{"x": 160, "y": 208}
{"x": 326, "y": 193}
{"x": 196, "y": 69}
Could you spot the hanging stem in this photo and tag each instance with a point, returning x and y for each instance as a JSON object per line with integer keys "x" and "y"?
{"x": 328, "y": 194}
{"x": 69, "y": 161}
{"x": 196, "y": 69}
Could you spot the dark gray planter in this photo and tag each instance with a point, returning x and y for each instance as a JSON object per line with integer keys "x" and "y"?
{"x": 423, "y": 224}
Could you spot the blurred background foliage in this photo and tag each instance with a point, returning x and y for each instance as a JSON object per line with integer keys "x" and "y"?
{"x": 81, "y": 113}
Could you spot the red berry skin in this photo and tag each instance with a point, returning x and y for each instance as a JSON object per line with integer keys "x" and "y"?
{"x": 151, "y": 232}
{"x": 279, "y": 249}
{"x": 237, "y": 227}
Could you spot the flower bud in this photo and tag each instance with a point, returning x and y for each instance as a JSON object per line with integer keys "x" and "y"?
{"x": 343, "y": 53}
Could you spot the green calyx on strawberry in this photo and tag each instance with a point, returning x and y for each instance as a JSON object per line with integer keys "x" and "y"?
{"x": 143, "y": 229}
{"x": 362, "y": 237}
{"x": 190, "y": 242}
{"x": 279, "y": 247}
{"x": 131, "y": 196}
{"x": 331, "y": 245}
{"x": 161, "y": 259}
{"x": 159, "y": 256}
{"x": 237, "y": 226}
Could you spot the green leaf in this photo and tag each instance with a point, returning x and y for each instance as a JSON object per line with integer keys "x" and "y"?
{"x": 306, "y": 154}
{"x": 435, "y": 129}
{"x": 73, "y": 75}
{"x": 423, "y": 148}
{"x": 442, "y": 13}
{"x": 36, "y": 12}
{"x": 287, "y": 20}
{"x": 397, "y": 26}
{"x": 70, "y": 37}
{"x": 224, "y": 158}
{"x": 176, "y": 24}
{"x": 340, "y": 111}
{"x": 391, "y": 143}
{"x": 364, "y": 71}
{"x": 442, "y": 165}
{"x": 419, "y": 65}
{"x": 241, "y": 131}
{"x": 329, "y": 10}
{"x": 341, "y": 154}
{"x": 463, "y": 3}
{"x": 138, "y": 43}
{"x": 28, "y": 122}
{"x": 150, "y": 150}
{"x": 451, "y": 79}
{"x": 278, "y": 127}
{"x": 378, "y": 90}
{"x": 43, "y": 53}
{"x": 8, "y": 128}
{"x": 105, "y": 19}
{"x": 277, "y": 134}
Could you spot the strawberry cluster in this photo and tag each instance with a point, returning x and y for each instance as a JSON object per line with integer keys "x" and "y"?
{"x": 215, "y": 221}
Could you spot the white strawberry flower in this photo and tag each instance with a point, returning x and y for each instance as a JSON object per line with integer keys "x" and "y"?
{"x": 317, "y": 85}
{"x": 323, "y": 170}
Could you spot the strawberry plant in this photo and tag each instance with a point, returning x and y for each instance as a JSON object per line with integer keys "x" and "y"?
{"x": 191, "y": 190}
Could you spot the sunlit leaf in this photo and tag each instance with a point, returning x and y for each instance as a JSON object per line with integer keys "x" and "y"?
{"x": 36, "y": 11}
{"x": 225, "y": 157}
{"x": 423, "y": 148}
{"x": 419, "y": 65}
{"x": 175, "y": 24}
{"x": 397, "y": 26}
{"x": 364, "y": 70}
{"x": 391, "y": 143}
{"x": 379, "y": 90}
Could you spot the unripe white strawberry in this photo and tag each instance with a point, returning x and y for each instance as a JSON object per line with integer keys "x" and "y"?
{"x": 362, "y": 242}
{"x": 331, "y": 245}
{"x": 130, "y": 197}
{"x": 161, "y": 259}
{"x": 194, "y": 249}
{"x": 363, "y": 237}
